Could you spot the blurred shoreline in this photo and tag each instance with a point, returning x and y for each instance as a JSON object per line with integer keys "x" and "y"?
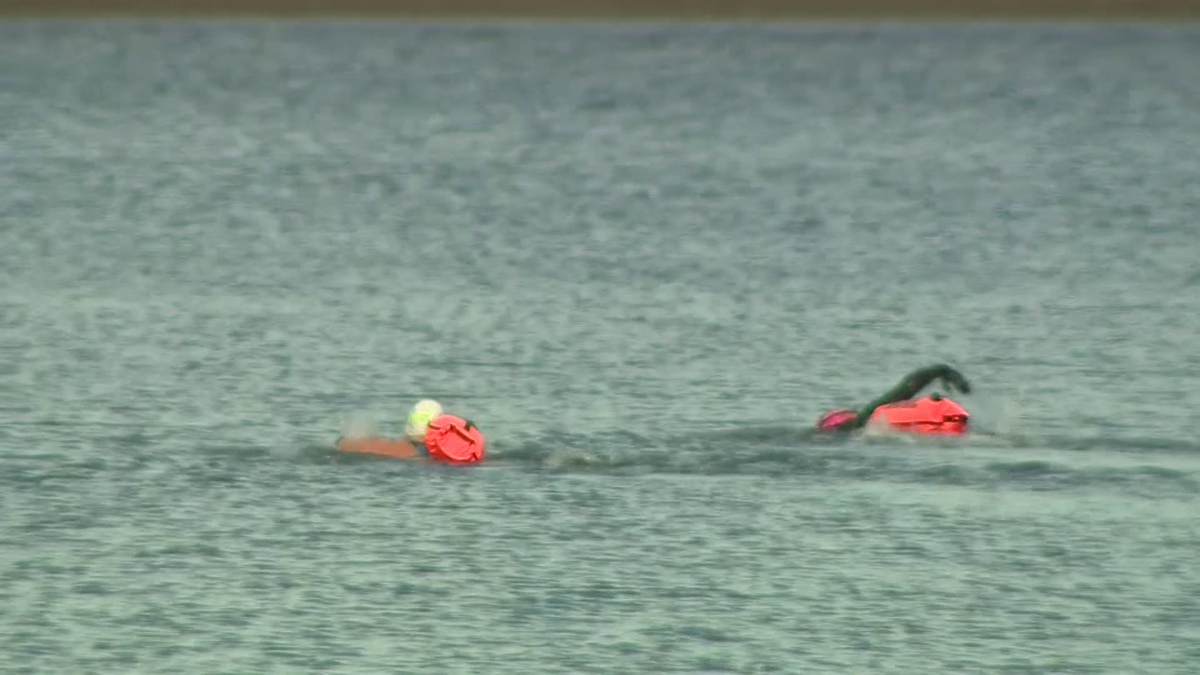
{"x": 618, "y": 10}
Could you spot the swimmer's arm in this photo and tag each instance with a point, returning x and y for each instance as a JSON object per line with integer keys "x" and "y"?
{"x": 399, "y": 448}
{"x": 911, "y": 385}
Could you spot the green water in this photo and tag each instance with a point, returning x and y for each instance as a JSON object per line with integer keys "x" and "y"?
{"x": 643, "y": 259}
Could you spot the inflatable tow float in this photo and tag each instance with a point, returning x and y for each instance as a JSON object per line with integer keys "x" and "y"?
{"x": 933, "y": 415}
{"x": 928, "y": 415}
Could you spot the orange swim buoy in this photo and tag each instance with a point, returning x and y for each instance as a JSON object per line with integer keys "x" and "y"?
{"x": 934, "y": 415}
{"x": 454, "y": 440}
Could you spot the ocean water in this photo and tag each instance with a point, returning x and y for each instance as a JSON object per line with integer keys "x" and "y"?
{"x": 643, "y": 258}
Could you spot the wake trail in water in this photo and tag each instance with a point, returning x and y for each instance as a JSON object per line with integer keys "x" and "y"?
{"x": 981, "y": 458}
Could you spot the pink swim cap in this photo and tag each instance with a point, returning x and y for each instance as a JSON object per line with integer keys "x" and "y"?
{"x": 454, "y": 440}
{"x": 835, "y": 418}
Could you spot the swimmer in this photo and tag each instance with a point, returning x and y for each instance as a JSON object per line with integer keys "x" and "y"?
{"x": 846, "y": 419}
{"x": 429, "y": 433}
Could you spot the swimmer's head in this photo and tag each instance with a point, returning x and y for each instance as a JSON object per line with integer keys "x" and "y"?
{"x": 834, "y": 419}
{"x": 418, "y": 419}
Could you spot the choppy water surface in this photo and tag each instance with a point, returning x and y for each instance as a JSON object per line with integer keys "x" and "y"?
{"x": 643, "y": 259}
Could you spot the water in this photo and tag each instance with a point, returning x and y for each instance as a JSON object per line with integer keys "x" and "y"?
{"x": 643, "y": 259}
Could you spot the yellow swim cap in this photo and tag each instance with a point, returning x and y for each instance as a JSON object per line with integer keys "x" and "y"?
{"x": 419, "y": 418}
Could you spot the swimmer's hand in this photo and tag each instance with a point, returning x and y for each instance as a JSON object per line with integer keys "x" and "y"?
{"x": 954, "y": 381}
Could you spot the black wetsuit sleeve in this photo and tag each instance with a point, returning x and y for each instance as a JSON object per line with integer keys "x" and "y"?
{"x": 910, "y": 386}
